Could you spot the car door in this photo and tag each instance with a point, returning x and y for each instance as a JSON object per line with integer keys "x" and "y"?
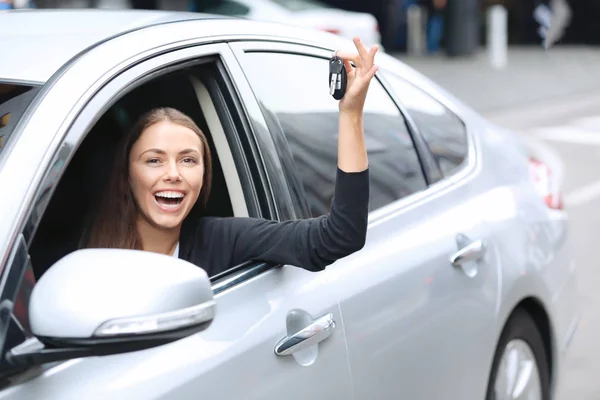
{"x": 417, "y": 325}
{"x": 278, "y": 331}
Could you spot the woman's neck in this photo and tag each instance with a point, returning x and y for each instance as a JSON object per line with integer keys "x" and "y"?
{"x": 163, "y": 241}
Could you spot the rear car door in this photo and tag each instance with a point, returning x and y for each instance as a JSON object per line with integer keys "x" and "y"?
{"x": 258, "y": 306}
{"x": 417, "y": 326}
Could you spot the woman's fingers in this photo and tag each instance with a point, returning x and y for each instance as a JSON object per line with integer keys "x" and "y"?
{"x": 359, "y": 63}
{"x": 363, "y": 82}
{"x": 369, "y": 75}
{"x": 372, "y": 51}
{"x": 362, "y": 50}
{"x": 363, "y": 60}
{"x": 349, "y": 67}
{"x": 355, "y": 58}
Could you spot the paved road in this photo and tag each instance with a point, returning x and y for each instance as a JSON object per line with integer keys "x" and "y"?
{"x": 532, "y": 76}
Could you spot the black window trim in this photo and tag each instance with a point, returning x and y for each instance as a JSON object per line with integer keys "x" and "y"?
{"x": 297, "y": 196}
{"x": 429, "y": 165}
{"x": 227, "y": 99}
{"x": 10, "y": 285}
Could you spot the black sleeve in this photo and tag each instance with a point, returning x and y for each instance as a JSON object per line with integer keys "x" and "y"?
{"x": 311, "y": 243}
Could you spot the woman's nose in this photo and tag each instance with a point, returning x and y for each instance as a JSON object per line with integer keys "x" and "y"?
{"x": 173, "y": 174}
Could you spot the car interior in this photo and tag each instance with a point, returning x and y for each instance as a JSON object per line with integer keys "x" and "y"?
{"x": 78, "y": 193}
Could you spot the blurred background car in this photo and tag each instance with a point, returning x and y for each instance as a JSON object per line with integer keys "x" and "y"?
{"x": 305, "y": 13}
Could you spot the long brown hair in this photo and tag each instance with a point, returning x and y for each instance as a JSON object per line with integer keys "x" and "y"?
{"x": 114, "y": 225}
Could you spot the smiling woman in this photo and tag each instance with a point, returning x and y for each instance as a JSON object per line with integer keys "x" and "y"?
{"x": 156, "y": 181}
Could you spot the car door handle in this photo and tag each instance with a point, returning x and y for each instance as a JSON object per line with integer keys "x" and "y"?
{"x": 470, "y": 252}
{"x": 319, "y": 330}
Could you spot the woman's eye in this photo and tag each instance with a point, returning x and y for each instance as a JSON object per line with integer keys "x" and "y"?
{"x": 189, "y": 160}
{"x": 153, "y": 161}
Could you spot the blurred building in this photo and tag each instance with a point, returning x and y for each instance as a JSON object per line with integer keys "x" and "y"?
{"x": 523, "y": 28}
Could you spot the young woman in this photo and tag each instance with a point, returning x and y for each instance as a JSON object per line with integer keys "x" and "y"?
{"x": 163, "y": 172}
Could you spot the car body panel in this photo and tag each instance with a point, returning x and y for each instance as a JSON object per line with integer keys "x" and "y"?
{"x": 538, "y": 255}
{"x": 392, "y": 295}
{"x": 28, "y": 37}
{"x": 555, "y": 284}
{"x": 233, "y": 359}
{"x": 410, "y": 313}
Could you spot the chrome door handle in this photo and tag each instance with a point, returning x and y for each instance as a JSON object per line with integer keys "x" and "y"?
{"x": 314, "y": 333}
{"x": 471, "y": 252}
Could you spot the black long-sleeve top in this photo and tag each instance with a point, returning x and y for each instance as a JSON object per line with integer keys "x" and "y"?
{"x": 218, "y": 244}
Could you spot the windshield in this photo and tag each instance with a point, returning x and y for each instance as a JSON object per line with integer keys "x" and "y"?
{"x": 14, "y": 99}
{"x": 301, "y": 5}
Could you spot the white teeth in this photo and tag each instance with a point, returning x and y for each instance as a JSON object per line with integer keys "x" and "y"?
{"x": 170, "y": 195}
{"x": 169, "y": 205}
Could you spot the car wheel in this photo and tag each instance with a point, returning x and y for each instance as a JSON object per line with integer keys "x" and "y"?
{"x": 520, "y": 369}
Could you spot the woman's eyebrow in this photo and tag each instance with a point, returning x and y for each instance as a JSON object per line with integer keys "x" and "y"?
{"x": 188, "y": 151}
{"x": 159, "y": 151}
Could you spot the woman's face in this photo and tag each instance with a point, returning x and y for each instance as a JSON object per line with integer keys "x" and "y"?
{"x": 165, "y": 173}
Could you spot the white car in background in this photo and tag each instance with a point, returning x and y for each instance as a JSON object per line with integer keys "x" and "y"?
{"x": 305, "y": 13}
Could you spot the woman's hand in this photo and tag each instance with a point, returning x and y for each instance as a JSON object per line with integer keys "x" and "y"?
{"x": 352, "y": 152}
{"x": 359, "y": 77}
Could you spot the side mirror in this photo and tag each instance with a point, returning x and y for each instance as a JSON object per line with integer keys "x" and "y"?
{"x": 109, "y": 301}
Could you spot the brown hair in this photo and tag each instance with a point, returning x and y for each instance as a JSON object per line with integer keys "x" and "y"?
{"x": 114, "y": 225}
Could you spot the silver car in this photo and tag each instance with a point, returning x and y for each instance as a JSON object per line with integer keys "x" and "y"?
{"x": 465, "y": 289}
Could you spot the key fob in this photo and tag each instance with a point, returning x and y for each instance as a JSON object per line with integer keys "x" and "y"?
{"x": 338, "y": 77}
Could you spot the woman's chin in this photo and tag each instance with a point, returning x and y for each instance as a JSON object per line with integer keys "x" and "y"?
{"x": 167, "y": 222}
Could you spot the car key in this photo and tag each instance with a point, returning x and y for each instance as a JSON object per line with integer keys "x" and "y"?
{"x": 338, "y": 77}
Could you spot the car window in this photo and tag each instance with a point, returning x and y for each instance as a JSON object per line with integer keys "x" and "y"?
{"x": 308, "y": 116}
{"x": 192, "y": 91}
{"x": 14, "y": 99}
{"x": 443, "y": 131}
{"x": 222, "y": 7}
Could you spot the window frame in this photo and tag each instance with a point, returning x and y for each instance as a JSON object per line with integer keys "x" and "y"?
{"x": 243, "y": 143}
{"x": 427, "y": 162}
{"x": 245, "y": 150}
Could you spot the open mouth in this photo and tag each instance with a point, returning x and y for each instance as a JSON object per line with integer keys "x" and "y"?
{"x": 169, "y": 199}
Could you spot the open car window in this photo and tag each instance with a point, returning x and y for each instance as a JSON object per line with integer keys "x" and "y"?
{"x": 14, "y": 100}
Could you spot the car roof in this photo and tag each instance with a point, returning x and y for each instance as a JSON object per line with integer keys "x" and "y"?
{"x": 37, "y": 43}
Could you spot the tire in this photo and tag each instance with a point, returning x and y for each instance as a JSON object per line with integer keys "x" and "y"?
{"x": 521, "y": 329}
